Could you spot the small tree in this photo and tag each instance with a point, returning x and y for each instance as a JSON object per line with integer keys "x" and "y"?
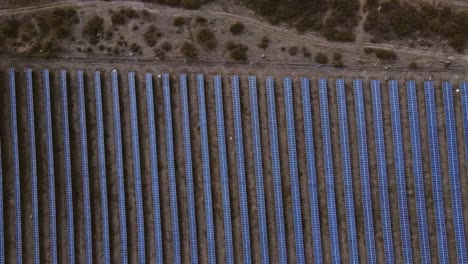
{"x": 237, "y": 28}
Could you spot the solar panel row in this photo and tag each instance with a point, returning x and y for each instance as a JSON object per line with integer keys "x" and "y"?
{"x": 119, "y": 167}
{"x": 293, "y": 173}
{"x": 16, "y": 165}
{"x": 382, "y": 171}
{"x": 364, "y": 170}
{"x": 171, "y": 169}
{"x": 188, "y": 169}
{"x": 347, "y": 174}
{"x": 329, "y": 174}
{"x": 206, "y": 164}
{"x": 33, "y": 166}
{"x": 311, "y": 171}
{"x": 275, "y": 162}
{"x": 67, "y": 165}
{"x": 257, "y": 155}
{"x": 400, "y": 171}
{"x": 102, "y": 168}
{"x": 464, "y": 98}
{"x": 140, "y": 214}
{"x": 84, "y": 169}
{"x": 438, "y": 195}
{"x": 154, "y": 169}
{"x": 418, "y": 177}
{"x": 454, "y": 173}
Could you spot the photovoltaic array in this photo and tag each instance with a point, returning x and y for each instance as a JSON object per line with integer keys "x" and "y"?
{"x": 418, "y": 175}
{"x": 347, "y": 172}
{"x": 57, "y": 181}
{"x": 329, "y": 174}
{"x": 454, "y": 172}
{"x": 311, "y": 171}
{"x": 434, "y": 152}
{"x": 188, "y": 168}
{"x": 382, "y": 171}
{"x": 275, "y": 163}
{"x": 399, "y": 158}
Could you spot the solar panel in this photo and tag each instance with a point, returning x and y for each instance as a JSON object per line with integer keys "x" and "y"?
{"x": 275, "y": 162}
{"x": 438, "y": 194}
{"x": 257, "y": 152}
{"x": 2, "y": 232}
{"x": 452, "y": 153}
{"x": 119, "y": 167}
{"x": 418, "y": 175}
{"x": 206, "y": 165}
{"x": 399, "y": 158}
{"x": 67, "y": 164}
{"x": 33, "y": 161}
{"x": 364, "y": 170}
{"x": 347, "y": 174}
{"x": 188, "y": 169}
{"x": 311, "y": 171}
{"x": 154, "y": 168}
{"x": 84, "y": 169}
{"x": 382, "y": 171}
{"x": 329, "y": 174}
{"x": 464, "y": 98}
{"x": 171, "y": 169}
{"x": 102, "y": 168}
{"x": 295, "y": 185}
{"x": 16, "y": 165}
{"x": 140, "y": 214}
{"x": 242, "y": 183}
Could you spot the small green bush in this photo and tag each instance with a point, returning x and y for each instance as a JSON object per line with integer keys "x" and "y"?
{"x": 385, "y": 54}
{"x": 9, "y": 29}
{"x": 206, "y": 38}
{"x": 121, "y": 16}
{"x": 93, "y": 27}
{"x": 179, "y": 21}
{"x": 152, "y": 35}
{"x": 264, "y": 42}
{"x": 321, "y": 58}
{"x": 189, "y": 50}
{"x": 292, "y": 51}
{"x": 337, "y": 56}
{"x": 413, "y": 65}
{"x": 159, "y": 53}
{"x": 166, "y": 46}
{"x": 201, "y": 20}
{"x": 238, "y": 55}
{"x": 237, "y": 28}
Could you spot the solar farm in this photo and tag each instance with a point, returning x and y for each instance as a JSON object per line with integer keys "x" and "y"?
{"x": 114, "y": 166}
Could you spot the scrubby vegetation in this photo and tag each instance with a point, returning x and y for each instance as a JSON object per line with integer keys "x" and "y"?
{"x": 385, "y": 54}
{"x": 237, "y": 51}
{"x": 237, "y": 28}
{"x": 206, "y": 38}
{"x": 321, "y": 58}
{"x": 189, "y": 4}
{"x": 189, "y": 50}
{"x": 93, "y": 28}
{"x": 264, "y": 42}
{"x": 340, "y": 24}
{"x": 152, "y": 35}
{"x": 392, "y": 20}
{"x": 179, "y": 21}
{"x": 121, "y": 16}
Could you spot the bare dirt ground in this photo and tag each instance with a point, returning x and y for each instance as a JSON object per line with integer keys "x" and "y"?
{"x": 209, "y": 70}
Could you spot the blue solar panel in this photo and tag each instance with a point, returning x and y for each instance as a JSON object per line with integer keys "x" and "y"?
{"x": 67, "y": 164}
{"x": 347, "y": 174}
{"x": 464, "y": 98}
{"x": 2, "y": 231}
{"x": 16, "y": 165}
{"x": 275, "y": 162}
{"x": 244, "y": 210}
{"x": 382, "y": 171}
{"x": 33, "y": 160}
{"x": 329, "y": 174}
{"x": 206, "y": 166}
{"x": 400, "y": 171}
{"x": 192, "y": 218}
{"x": 171, "y": 169}
{"x": 452, "y": 153}
{"x": 154, "y": 168}
{"x": 311, "y": 171}
{"x": 102, "y": 168}
{"x": 364, "y": 169}
{"x": 438, "y": 194}
{"x": 140, "y": 214}
{"x": 418, "y": 174}
{"x": 85, "y": 170}
{"x": 257, "y": 153}
{"x": 119, "y": 165}
{"x": 295, "y": 185}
